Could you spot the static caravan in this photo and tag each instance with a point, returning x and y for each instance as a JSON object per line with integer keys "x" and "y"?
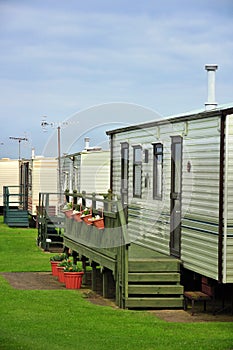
{"x": 88, "y": 170}
{"x": 9, "y": 175}
{"x": 175, "y": 178}
{"x": 38, "y": 174}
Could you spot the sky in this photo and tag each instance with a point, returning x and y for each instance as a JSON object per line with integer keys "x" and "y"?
{"x": 72, "y": 60}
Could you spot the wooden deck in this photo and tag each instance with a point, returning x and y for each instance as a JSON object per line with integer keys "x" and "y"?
{"x": 137, "y": 276}
{"x": 143, "y": 278}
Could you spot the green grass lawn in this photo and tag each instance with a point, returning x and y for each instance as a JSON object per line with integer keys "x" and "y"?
{"x": 63, "y": 319}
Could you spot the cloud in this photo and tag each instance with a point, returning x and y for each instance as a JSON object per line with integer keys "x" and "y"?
{"x": 56, "y": 60}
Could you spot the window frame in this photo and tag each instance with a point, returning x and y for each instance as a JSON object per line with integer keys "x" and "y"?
{"x": 157, "y": 174}
{"x": 137, "y": 170}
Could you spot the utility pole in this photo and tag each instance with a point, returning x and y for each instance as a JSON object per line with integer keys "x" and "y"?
{"x": 44, "y": 125}
{"x": 19, "y": 139}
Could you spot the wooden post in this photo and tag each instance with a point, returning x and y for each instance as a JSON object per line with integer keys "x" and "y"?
{"x": 94, "y": 277}
{"x": 84, "y": 199}
{"x": 84, "y": 265}
{"x": 67, "y": 196}
{"x": 93, "y": 200}
{"x": 105, "y": 283}
{"x": 75, "y": 257}
{"x": 75, "y": 199}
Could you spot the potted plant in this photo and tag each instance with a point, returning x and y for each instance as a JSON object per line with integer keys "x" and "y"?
{"x": 87, "y": 216}
{"x": 68, "y": 209}
{"x": 76, "y": 215}
{"x": 98, "y": 222}
{"x": 73, "y": 275}
{"x": 60, "y": 270}
{"x": 54, "y": 261}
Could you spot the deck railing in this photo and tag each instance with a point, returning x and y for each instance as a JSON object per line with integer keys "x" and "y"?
{"x": 109, "y": 245}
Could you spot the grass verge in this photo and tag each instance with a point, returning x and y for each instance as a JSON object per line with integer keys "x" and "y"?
{"x": 58, "y": 319}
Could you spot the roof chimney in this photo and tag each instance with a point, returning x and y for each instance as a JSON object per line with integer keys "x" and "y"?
{"x": 211, "y": 104}
{"x": 87, "y": 142}
{"x": 33, "y": 153}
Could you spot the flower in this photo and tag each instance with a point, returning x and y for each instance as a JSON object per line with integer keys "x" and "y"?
{"x": 58, "y": 257}
{"x": 71, "y": 267}
{"x": 68, "y": 206}
{"x": 63, "y": 263}
{"x": 86, "y": 211}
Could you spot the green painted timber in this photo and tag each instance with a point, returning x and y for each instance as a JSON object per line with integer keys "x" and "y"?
{"x": 138, "y": 251}
{"x": 50, "y": 226}
{"x": 155, "y": 289}
{"x": 155, "y": 303}
{"x": 92, "y": 254}
{"x": 143, "y": 278}
{"x": 16, "y": 218}
{"x": 153, "y": 265}
{"x": 154, "y": 276}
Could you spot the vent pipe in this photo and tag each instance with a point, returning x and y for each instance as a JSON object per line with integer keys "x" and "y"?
{"x": 33, "y": 153}
{"x": 87, "y": 142}
{"x": 211, "y": 104}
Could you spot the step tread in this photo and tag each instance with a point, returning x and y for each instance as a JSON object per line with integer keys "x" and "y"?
{"x": 155, "y": 289}
{"x": 166, "y": 302}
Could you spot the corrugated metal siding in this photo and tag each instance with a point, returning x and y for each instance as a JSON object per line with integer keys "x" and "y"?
{"x": 228, "y": 204}
{"x": 199, "y": 240}
{"x": 149, "y": 219}
{"x": 95, "y": 172}
{"x": 44, "y": 179}
{"x": 9, "y": 175}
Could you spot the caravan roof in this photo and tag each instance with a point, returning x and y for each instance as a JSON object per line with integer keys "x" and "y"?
{"x": 196, "y": 114}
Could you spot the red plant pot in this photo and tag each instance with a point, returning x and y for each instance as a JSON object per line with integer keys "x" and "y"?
{"x": 99, "y": 223}
{"x": 60, "y": 275}
{"x": 68, "y": 213}
{"x": 86, "y": 219}
{"x": 73, "y": 280}
{"x": 54, "y": 267}
{"x": 77, "y": 217}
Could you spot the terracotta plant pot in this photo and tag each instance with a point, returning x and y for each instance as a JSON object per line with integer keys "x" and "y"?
{"x": 68, "y": 213}
{"x": 77, "y": 217}
{"x": 73, "y": 280}
{"x": 86, "y": 219}
{"x": 60, "y": 274}
{"x": 54, "y": 267}
{"x": 99, "y": 223}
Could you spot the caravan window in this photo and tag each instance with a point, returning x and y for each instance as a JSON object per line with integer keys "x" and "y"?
{"x": 137, "y": 171}
{"x": 158, "y": 171}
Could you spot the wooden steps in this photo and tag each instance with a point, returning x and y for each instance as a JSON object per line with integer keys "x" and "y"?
{"x": 153, "y": 282}
{"x": 16, "y": 218}
{"x": 49, "y": 233}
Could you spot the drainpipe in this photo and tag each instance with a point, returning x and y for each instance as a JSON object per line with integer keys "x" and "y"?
{"x": 211, "y": 69}
{"x": 221, "y": 200}
{"x": 111, "y": 161}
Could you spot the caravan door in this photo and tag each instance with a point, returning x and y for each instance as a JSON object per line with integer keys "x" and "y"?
{"x": 176, "y": 182}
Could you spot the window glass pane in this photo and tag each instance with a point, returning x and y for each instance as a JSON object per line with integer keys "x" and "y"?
{"x": 177, "y": 160}
{"x": 137, "y": 155}
{"x": 137, "y": 180}
{"x": 158, "y": 171}
{"x": 137, "y": 171}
